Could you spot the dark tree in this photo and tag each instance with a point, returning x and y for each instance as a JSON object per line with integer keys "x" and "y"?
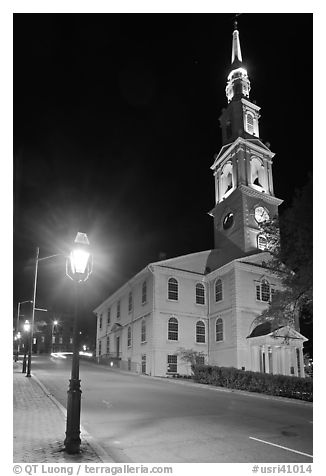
{"x": 290, "y": 242}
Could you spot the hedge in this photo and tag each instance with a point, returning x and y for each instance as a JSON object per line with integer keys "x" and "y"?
{"x": 230, "y": 377}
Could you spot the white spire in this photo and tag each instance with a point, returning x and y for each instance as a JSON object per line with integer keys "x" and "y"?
{"x": 236, "y": 50}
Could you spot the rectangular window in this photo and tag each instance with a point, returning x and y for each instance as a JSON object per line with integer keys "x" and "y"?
{"x": 143, "y": 363}
{"x": 143, "y": 331}
{"x": 129, "y": 364}
{"x": 100, "y": 324}
{"x": 53, "y": 339}
{"x": 70, "y": 340}
{"x": 99, "y": 347}
{"x": 130, "y": 302}
{"x": 172, "y": 364}
{"x": 144, "y": 293}
{"x": 60, "y": 340}
{"x": 109, "y": 315}
{"x": 118, "y": 309}
{"x": 108, "y": 345}
{"x": 42, "y": 339}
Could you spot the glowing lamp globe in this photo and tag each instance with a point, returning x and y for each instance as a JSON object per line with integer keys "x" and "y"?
{"x": 27, "y": 326}
{"x": 79, "y": 263}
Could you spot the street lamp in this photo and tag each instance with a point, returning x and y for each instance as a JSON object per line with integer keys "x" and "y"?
{"x": 17, "y": 325}
{"x": 27, "y": 328}
{"x": 54, "y": 323}
{"x": 37, "y": 259}
{"x": 78, "y": 268}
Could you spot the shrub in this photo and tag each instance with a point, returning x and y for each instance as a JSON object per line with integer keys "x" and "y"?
{"x": 230, "y": 377}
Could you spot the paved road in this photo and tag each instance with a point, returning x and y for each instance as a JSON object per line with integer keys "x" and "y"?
{"x": 142, "y": 420}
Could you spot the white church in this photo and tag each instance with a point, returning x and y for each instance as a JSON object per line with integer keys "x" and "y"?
{"x": 209, "y": 301}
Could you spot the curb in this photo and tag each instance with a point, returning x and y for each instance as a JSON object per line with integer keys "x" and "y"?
{"x": 96, "y": 447}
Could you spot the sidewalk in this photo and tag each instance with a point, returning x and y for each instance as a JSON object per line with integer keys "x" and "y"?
{"x": 39, "y": 426}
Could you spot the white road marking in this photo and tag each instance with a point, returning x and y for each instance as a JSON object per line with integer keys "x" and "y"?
{"x": 107, "y": 403}
{"x": 279, "y": 446}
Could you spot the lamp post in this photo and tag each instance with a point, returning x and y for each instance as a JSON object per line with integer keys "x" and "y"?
{"x": 54, "y": 323}
{"x": 37, "y": 259}
{"x": 78, "y": 268}
{"x": 27, "y": 328}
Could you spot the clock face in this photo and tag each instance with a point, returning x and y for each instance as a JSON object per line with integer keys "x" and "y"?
{"x": 228, "y": 221}
{"x": 261, "y": 214}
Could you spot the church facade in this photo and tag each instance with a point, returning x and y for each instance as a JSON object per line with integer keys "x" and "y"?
{"x": 209, "y": 301}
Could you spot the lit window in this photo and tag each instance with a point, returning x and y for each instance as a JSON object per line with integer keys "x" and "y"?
{"x": 129, "y": 337}
{"x": 173, "y": 289}
{"x": 144, "y": 292}
{"x": 200, "y": 293}
{"x": 226, "y": 179}
{"x": 257, "y": 172}
{"x": 218, "y": 290}
{"x": 250, "y": 123}
{"x": 264, "y": 292}
{"x": 130, "y": 302}
{"x": 219, "y": 330}
{"x": 172, "y": 364}
{"x": 143, "y": 330}
{"x": 118, "y": 310}
{"x": 60, "y": 340}
{"x": 42, "y": 339}
{"x": 173, "y": 329}
{"x": 70, "y": 340}
{"x": 200, "y": 332}
{"x": 262, "y": 242}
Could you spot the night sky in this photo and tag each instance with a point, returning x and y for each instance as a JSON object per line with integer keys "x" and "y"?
{"x": 115, "y": 129}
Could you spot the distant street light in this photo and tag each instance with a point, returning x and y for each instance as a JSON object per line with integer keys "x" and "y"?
{"x": 37, "y": 259}
{"x": 27, "y": 328}
{"x": 78, "y": 268}
{"x": 54, "y": 323}
{"x": 17, "y": 325}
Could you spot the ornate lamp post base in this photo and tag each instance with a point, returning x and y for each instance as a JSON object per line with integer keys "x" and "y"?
{"x": 72, "y": 441}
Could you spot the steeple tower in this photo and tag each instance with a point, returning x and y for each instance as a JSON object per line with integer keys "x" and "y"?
{"x": 244, "y": 193}
{"x": 238, "y": 84}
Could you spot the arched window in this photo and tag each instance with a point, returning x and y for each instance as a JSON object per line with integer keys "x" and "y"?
{"x": 173, "y": 329}
{"x": 219, "y": 335}
{"x": 144, "y": 292}
{"x": 200, "y": 293}
{"x": 264, "y": 292}
{"x": 143, "y": 330}
{"x": 257, "y": 172}
{"x": 262, "y": 242}
{"x": 218, "y": 290}
{"x": 129, "y": 337}
{"x": 226, "y": 178}
{"x": 200, "y": 332}
{"x": 250, "y": 123}
{"x": 173, "y": 289}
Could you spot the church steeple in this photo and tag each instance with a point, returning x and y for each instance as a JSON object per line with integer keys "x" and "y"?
{"x": 238, "y": 84}
{"x": 244, "y": 193}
